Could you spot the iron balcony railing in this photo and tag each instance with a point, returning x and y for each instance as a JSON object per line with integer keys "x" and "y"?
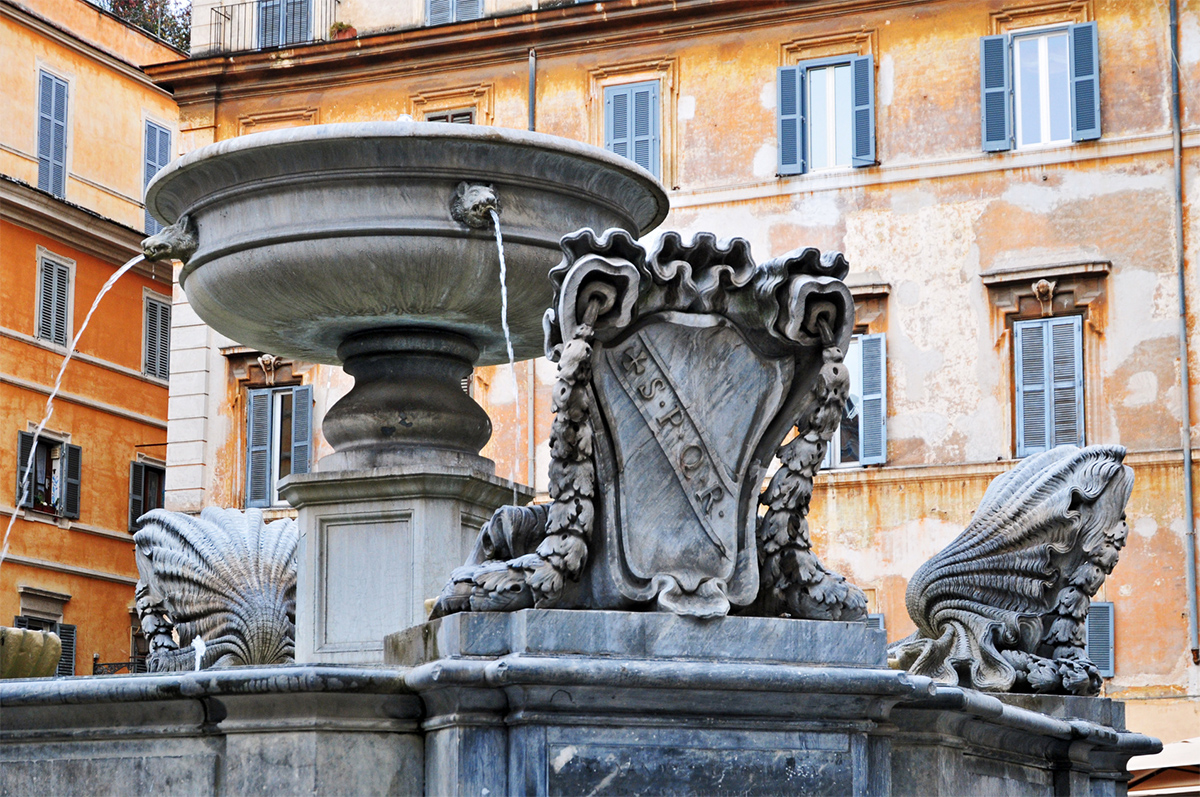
{"x": 265, "y": 24}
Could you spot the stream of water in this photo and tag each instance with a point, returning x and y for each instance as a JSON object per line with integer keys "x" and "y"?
{"x": 41, "y": 427}
{"x": 512, "y": 363}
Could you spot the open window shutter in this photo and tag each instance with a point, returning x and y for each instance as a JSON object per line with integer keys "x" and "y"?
{"x": 296, "y": 20}
{"x": 1100, "y": 649}
{"x": 1066, "y": 338}
{"x": 270, "y": 13}
{"x": 645, "y": 127}
{"x": 439, "y": 12}
{"x": 789, "y": 106}
{"x": 137, "y": 478}
{"x": 995, "y": 93}
{"x": 24, "y": 494}
{"x": 864, "y": 111}
{"x": 1085, "y": 81}
{"x": 467, "y": 9}
{"x": 301, "y": 428}
{"x": 58, "y": 151}
{"x": 258, "y": 455}
{"x": 66, "y": 662}
{"x": 45, "y": 128}
{"x": 71, "y": 491}
{"x": 616, "y": 120}
{"x": 872, "y": 430}
{"x": 1030, "y": 347}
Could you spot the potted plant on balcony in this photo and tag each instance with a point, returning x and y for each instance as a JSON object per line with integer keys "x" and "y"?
{"x": 342, "y": 30}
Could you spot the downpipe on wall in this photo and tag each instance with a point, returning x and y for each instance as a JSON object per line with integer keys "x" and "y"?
{"x": 530, "y": 381}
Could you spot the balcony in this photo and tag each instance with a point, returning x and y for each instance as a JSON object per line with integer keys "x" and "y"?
{"x": 267, "y": 24}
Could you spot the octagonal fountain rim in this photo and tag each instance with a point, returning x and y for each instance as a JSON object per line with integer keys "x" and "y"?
{"x": 155, "y": 199}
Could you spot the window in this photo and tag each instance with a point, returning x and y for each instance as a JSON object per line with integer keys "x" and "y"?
{"x": 279, "y": 440}
{"x": 52, "y": 134}
{"x": 1099, "y": 638}
{"x": 157, "y": 155}
{"x": 156, "y": 349}
{"x": 631, "y": 124}
{"x": 283, "y": 22}
{"x": 441, "y": 12}
{"x": 463, "y": 116}
{"x": 1048, "y": 362}
{"x": 826, "y": 114}
{"x": 146, "y": 490}
{"x": 1040, "y": 87}
{"x": 53, "y": 480}
{"x": 54, "y": 300}
{"x": 66, "y": 633}
{"x": 861, "y": 439}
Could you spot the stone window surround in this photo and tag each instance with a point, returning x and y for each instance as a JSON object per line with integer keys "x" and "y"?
{"x": 42, "y": 604}
{"x": 1061, "y": 12}
{"x": 44, "y": 255}
{"x": 858, "y": 42}
{"x": 272, "y": 120}
{"x": 481, "y": 97}
{"x": 666, "y": 72}
{"x": 1037, "y": 291}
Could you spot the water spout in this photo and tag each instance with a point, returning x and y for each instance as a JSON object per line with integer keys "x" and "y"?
{"x": 512, "y": 363}
{"x": 23, "y": 492}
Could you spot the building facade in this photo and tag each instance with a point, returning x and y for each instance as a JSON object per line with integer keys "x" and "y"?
{"x": 999, "y": 173}
{"x": 83, "y": 127}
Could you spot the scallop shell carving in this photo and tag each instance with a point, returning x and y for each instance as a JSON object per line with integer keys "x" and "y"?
{"x": 224, "y": 576}
{"x": 1003, "y": 607}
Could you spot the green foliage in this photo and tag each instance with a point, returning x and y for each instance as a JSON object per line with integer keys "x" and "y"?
{"x": 169, "y": 20}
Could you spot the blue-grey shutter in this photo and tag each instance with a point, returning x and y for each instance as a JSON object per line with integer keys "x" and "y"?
{"x": 616, "y": 120}
{"x": 52, "y": 134}
{"x": 151, "y": 337}
{"x": 20, "y": 621}
{"x": 1066, "y": 380}
{"x": 1030, "y": 371}
{"x": 864, "y": 110}
{"x": 158, "y": 339}
{"x": 66, "y": 662}
{"x": 158, "y": 154}
{"x": 301, "y": 428}
{"x": 48, "y": 290}
{"x": 876, "y": 621}
{"x": 645, "y": 124}
{"x": 270, "y": 22}
{"x": 789, "y": 106}
{"x": 60, "y": 334}
{"x": 137, "y": 499}
{"x": 1099, "y": 636}
{"x": 24, "y": 492}
{"x": 1084, "y": 63}
{"x": 258, "y": 448}
{"x": 467, "y": 9}
{"x": 71, "y": 483}
{"x": 996, "y": 92}
{"x": 872, "y": 420}
{"x": 297, "y": 26}
{"x": 439, "y": 12}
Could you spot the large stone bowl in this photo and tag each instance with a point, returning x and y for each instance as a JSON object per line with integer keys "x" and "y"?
{"x": 349, "y": 244}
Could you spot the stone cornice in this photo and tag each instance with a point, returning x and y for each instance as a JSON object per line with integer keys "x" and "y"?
{"x": 76, "y": 226}
{"x": 552, "y": 31}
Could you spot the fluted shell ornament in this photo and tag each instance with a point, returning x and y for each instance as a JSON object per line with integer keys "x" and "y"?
{"x": 226, "y": 577}
{"x": 1003, "y": 607}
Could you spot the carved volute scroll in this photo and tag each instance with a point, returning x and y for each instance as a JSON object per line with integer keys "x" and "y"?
{"x": 680, "y": 373}
{"x": 1003, "y": 607}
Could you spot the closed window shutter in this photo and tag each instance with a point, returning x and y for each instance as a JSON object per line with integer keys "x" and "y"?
{"x": 137, "y": 480}
{"x": 1030, "y": 346}
{"x": 301, "y": 428}
{"x": 439, "y": 12}
{"x": 47, "y": 280}
{"x": 66, "y": 662}
{"x": 864, "y": 111}
{"x": 158, "y": 154}
{"x": 20, "y": 621}
{"x": 789, "y": 106}
{"x": 297, "y": 24}
{"x": 645, "y": 127}
{"x": 258, "y": 445}
{"x": 151, "y": 332}
{"x": 872, "y": 430}
{"x": 1099, "y": 634}
{"x": 74, "y": 472}
{"x": 995, "y": 93}
{"x": 1084, "y": 61}
{"x": 62, "y": 295}
{"x": 1066, "y": 380}
{"x": 164, "y": 340}
{"x": 58, "y": 140}
{"x": 45, "y": 128}
{"x": 158, "y": 339}
{"x": 467, "y": 9}
{"x": 24, "y": 494}
{"x": 270, "y": 13}
{"x": 616, "y": 120}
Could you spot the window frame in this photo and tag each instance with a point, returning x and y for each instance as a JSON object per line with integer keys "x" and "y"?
{"x": 1041, "y": 32}
{"x": 137, "y": 498}
{"x": 67, "y": 635}
{"x": 610, "y": 90}
{"x": 68, "y": 453}
{"x": 452, "y": 13}
{"x": 803, "y": 114}
{"x": 1020, "y": 449}
{"x": 158, "y": 367}
{"x": 270, "y": 448}
{"x": 450, "y": 114}
{"x": 833, "y": 460}
{"x": 45, "y": 256}
{"x": 283, "y": 39}
{"x": 55, "y": 78}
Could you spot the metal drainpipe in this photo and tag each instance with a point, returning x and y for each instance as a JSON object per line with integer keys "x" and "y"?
{"x": 531, "y": 451}
{"x": 1188, "y": 501}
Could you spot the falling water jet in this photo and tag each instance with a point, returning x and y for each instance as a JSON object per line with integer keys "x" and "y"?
{"x": 23, "y": 492}
{"x": 512, "y": 363}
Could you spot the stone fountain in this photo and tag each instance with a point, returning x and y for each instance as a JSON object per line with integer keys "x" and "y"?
{"x": 663, "y": 625}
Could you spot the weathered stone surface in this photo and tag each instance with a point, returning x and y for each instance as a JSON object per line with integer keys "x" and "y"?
{"x": 1003, "y": 607}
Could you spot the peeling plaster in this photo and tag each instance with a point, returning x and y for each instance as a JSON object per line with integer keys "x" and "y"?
{"x": 1189, "y": 39}
{"x": 767, "y": 96}
{"x": 887, "y": 80}
{"x": 817, "y": 210}
{"x": 902, "y": 549}
{"x": 1141, "y": 389}
{"x": 1138, "y": 317}
{"x": 1072, "y": 186}
{"x": 765, "y": 161}
{"x": 1145, "y": 527}
{"x": 687, "y": 108}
